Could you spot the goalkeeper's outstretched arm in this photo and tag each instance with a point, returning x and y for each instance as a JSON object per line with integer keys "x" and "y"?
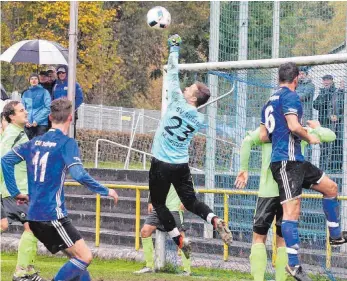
{"x": 173, "y": 82}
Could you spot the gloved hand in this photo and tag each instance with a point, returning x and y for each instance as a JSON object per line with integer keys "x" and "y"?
{"x": 174, "y": 43}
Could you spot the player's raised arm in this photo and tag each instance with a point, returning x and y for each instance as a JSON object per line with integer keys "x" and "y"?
{"x": 252, "y": 138}
{"x": 72, "y": 160}
{"x": 173, "y": 82}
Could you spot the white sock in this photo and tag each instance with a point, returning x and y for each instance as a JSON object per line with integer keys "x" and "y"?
{"x": 209, "y": 218}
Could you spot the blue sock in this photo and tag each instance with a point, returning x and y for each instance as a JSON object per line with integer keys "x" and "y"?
{"x": 332, "y": 213}
{"x": 291, "y": 237}
{"x": 71, "y": 270}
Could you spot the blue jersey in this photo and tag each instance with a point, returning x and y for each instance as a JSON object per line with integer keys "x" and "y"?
{"x": 179, "y": 124}
{"x": 48, "y": 158}
{"x": 285, "y": 145}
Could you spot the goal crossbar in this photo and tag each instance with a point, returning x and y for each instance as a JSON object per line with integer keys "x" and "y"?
{"x": 264, "y": 63}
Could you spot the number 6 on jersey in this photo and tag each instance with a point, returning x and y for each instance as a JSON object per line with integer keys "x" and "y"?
{"x": 269, "y": 119}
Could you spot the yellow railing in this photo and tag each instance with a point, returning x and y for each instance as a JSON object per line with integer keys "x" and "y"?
{"x": 226, "y": 194}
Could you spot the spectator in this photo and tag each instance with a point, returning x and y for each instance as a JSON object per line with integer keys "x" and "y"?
{"x": 60, "y": 90}
{"x": 305, "y": 90}
{"x": 52, "y": 78}
{"x": 329, "y": 103}
{"x": 37, "y": 102}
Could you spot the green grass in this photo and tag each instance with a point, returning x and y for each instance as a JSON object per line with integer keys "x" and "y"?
{"x": 112, "y": 270}
{"x": 122, "y": 270}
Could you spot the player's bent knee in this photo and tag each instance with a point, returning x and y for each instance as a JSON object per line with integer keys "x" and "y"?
{"x": 146, "y": 232}
{"x": 86, "y": 256}
{"x": 4, "y": 225}
{"x": 190, "y": 204}
{"x": 81, "y": 251}
{"x": 332, "y": 189}
{"x": 291, "y": 209}
{"x": 258, "y": 238}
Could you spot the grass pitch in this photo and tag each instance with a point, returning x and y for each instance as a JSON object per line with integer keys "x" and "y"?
{"x": 120, "y": 270}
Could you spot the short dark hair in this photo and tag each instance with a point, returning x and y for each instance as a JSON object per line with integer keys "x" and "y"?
{"x": 287, "y": 72}
{"x": 43, "y": 73}
{"x": 202, "y": 94}
{"x": 9, "y": 110}
{"x": 60, "y": 110}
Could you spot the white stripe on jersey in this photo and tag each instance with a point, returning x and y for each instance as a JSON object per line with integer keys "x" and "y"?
{"x": 18, "y": 154}
{"x": 58, "y": 195}
{"x": 62, "y": 233}
{"x": 285, "y": 180}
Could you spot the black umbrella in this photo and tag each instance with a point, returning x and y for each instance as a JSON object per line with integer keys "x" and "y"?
{"x": 36, "y": 51}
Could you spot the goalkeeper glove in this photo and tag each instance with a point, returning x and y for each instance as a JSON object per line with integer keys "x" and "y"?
{"x": 174, "y": 43}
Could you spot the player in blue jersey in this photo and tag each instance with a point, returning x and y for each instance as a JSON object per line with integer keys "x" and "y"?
{"x": 49, "y": 157}
{"x": 170, "y": 149}
{"x": 281, "y": 122}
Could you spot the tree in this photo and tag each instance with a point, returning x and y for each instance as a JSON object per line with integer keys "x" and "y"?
{"x": 98, "y": 66}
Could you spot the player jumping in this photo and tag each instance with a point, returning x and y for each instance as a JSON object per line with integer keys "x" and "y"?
{"x": 170, "y": 149}
{"x": 269, "y": 203}
{"x": 280, "y": 120}
{"x": 49, "y": 157}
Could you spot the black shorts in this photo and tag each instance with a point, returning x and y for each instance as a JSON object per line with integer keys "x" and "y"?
{"x": 162, "y": 175}
{"x": 56, "y": 235}
{"x": 14, "y": 211}
{"x": 293, "y": 176}
{"x": 267, "y": 209}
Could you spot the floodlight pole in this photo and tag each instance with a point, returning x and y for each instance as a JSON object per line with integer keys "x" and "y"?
{"x": 71, "y": 92}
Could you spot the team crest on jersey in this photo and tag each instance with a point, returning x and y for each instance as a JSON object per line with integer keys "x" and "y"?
{"x": 77, "y": 159}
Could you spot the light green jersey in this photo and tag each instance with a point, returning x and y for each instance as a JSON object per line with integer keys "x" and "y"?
{"x": 8, "y": 137}
{"x": 268, "y": 187}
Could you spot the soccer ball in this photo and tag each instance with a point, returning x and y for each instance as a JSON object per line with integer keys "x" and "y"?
{"x": 158, "y": 17}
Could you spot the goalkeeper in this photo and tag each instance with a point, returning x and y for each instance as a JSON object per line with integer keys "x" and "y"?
{"x": 268, "y": 203}
{"x": 170, "y": 149}
{"x": 152, "y": 223}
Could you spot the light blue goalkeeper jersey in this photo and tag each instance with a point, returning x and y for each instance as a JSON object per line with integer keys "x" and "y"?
{"x": 179, "y": 124}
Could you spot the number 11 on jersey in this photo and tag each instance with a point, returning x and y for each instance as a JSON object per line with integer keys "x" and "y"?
{"x": 42, "y": 162}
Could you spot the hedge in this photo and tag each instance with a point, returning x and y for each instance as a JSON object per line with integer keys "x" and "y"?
{"x": 112, "y": 153}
